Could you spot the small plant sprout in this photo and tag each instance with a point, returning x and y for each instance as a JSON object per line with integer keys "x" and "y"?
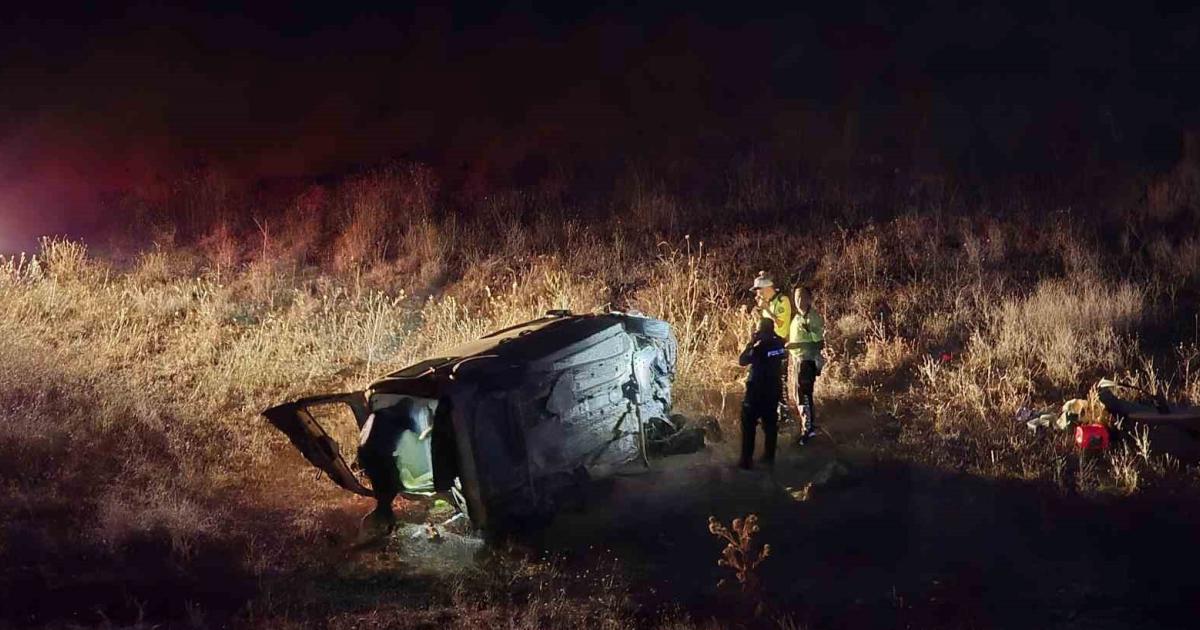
{"x": 740, "y": 553}
{"x": 1141, "y": 442}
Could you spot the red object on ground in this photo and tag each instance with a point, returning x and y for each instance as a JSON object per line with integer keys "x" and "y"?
{"x": 1091, "y": 436}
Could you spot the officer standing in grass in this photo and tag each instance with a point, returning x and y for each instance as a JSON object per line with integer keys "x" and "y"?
{"x": 806, "y": 339}
{"x": 775, "y": 305}
{"x": 764, "y": 354}
{"x": 772, "y": 303}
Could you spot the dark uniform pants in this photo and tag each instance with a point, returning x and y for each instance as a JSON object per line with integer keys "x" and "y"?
{"x": 766, "y": 410}
{"x": 785, "y": 409}
{"x": 806, "y": 378}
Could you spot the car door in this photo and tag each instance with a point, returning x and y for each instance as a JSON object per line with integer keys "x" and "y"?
{"x": 297, "y": 422}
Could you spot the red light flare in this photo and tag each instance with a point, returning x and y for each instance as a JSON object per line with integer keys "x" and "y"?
{"x": 14, "y": 237}
{"x": 53, "y": 174}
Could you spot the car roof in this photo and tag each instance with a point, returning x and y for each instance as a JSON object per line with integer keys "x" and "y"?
{"x": 520, "y": 343}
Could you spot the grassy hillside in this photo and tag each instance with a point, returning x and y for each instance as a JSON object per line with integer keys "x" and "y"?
{"x": 136, "y": 473}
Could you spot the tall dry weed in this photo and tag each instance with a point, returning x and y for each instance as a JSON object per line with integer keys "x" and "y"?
{"x": 1064, "y": 329}
{"x": 707, "y": 326}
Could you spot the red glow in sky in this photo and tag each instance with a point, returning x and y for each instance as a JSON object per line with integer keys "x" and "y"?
{"x": 54, "y": 172}
{"x": 14, "y": 237}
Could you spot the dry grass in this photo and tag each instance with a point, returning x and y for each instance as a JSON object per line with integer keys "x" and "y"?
{"x": 130, "y": 395}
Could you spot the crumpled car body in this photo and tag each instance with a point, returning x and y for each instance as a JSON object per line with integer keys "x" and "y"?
{"x": 509, "y": 423}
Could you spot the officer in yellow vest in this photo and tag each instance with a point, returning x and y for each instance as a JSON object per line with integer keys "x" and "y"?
{"x": 776, "y": 306}
{"x": 772, "y": 303}
{"x": 806, "y": 339}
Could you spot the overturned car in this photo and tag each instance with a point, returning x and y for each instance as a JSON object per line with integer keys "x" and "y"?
{"x": 508, "y": 424}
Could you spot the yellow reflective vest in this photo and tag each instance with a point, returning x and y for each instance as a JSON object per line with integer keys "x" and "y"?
{"x": 807, "y": 330}
{"x": 779, "y": 309}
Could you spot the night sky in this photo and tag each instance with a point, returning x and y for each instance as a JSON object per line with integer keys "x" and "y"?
{"x": 99, "y": 99}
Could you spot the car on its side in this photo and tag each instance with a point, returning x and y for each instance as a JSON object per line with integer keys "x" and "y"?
{"x": 507, "y": 424}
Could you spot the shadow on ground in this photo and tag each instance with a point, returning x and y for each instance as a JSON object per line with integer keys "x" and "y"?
{"x": 882, "y": 543}
{"x": 877, "y": 542}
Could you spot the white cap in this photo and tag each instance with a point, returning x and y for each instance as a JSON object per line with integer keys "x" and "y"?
{"x": 762, "y": 281}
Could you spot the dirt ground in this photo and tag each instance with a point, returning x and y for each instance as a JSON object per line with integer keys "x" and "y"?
{"x": 881, "y": 543}
{"x": 876, "y": 541}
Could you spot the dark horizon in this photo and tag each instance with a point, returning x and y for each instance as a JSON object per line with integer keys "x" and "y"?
{"x": 104, "y": 100}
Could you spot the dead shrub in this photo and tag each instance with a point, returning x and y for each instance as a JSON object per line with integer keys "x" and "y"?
{"x": 740, "y": 553}
{"x": 66, "y": 260}
{"x": 1065, "y": 327}
{"x": 221, "y": 249}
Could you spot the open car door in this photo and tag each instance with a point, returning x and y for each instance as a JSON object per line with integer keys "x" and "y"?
{"x": 296, "y": 421}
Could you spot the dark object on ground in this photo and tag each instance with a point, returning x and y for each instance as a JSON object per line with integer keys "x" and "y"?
{"x": 508, "y": 424}
{"x": 1172, "y": 429}
{"x": 712, "y": 429}
{"x": 673, "y": 436}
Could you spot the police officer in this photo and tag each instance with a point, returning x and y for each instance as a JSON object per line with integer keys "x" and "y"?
{"x": 806, "y": 339}
{"x": 772, "y": 303}
{"x": 775, "y": 305}
{"x": 764, "y": 354}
